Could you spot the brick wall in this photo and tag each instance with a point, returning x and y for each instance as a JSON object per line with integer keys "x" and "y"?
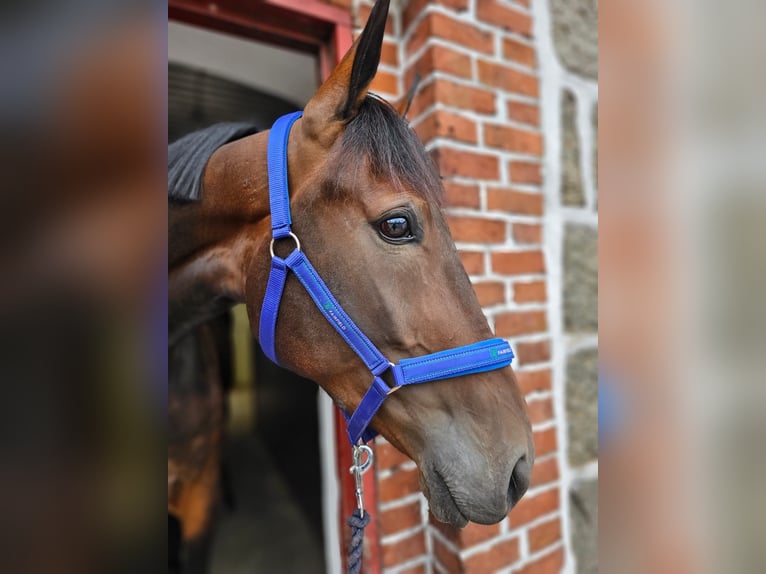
{"x": 477, "y": 111}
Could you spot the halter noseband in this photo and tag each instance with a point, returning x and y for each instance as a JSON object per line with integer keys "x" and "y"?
{"x": 475, "y": 358}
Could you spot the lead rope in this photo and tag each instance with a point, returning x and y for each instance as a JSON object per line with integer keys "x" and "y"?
{"x": 359, "y": 519}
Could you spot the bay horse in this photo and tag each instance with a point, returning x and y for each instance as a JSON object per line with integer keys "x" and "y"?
{"x": 366, "y": 203}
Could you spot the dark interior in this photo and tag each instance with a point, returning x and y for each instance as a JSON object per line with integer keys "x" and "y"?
{"x": 272, "y": 519}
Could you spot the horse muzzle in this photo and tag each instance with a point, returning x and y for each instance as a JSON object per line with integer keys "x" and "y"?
{"x": 469, "y": 486}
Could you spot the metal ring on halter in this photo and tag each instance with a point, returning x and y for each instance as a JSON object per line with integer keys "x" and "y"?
{"x": 392, "y": 390}
{"x": 294, "y": 237}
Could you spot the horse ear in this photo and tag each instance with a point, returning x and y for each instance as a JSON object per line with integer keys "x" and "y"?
{"x": 341, "y": 94}
{"x": 404, "y": 105}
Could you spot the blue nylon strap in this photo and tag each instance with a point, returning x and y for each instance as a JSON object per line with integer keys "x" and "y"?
{"x": 267, "y": 327}
{"x": 334, "y": 313}
{"x": 279, "y": 195}
{"x": 468, "y": 360}
{"x": 359, "y": 422}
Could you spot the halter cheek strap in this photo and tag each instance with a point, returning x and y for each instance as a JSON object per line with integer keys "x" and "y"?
{"x": 476, "y": 358}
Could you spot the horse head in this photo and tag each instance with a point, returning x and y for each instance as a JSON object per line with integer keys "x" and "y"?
{"x": 365, "y": 198}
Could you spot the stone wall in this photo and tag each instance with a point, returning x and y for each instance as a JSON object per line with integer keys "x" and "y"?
{"x": 568, "y": 43}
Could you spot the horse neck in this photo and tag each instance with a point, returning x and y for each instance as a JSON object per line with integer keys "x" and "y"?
{"x": 211, "y": 240}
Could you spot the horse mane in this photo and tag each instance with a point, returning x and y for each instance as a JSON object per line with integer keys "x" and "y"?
{"x": 380, "y": 135}
{"x": 188, "y": 156}
{"x": 377, "y": 134}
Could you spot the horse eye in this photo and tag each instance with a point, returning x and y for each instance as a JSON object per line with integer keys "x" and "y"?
{"x": 396, "y": 228}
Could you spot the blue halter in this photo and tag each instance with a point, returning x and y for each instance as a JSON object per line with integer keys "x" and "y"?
{"x": 476, "y": 358}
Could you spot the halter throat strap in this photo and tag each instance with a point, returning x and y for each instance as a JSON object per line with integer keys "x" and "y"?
{"x": 475, "y": 358}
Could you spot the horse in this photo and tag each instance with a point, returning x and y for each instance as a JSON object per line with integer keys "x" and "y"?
{"x": 366, "y": 203}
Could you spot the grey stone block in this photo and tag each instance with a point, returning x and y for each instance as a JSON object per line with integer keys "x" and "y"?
{"x": 594, "y": 152}
{"x": 571, "y": 176}
{"x": 582, "y": 406}
{"x": 580, "y": 279}
{"x": 583, "y": 512}
{"x": 575, "y": 35}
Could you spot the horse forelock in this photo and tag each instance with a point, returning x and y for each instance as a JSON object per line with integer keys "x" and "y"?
{"x": 381, "y": 138}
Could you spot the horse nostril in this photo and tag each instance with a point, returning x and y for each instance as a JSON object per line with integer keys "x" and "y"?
{"x": 519, "y": 480}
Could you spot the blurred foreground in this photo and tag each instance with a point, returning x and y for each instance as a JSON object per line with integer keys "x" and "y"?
{"x": 83, "y": 312}
{"x": 682, "y": 264}
{"x": 82, "y": 295}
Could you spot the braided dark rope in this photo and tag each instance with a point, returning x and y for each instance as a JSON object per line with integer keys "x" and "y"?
{"x": 357, "y": 522}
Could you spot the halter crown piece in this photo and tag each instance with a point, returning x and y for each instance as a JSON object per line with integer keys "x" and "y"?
{"x": 475, "y": 358}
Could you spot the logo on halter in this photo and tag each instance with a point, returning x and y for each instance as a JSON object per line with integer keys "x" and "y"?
{"x": 330, "y": 309}
{"x": 495, "y": 353}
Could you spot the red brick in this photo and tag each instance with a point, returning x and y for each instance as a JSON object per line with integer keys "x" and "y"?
{"x": 528, "y": 233}
{"x": 535, "y": 352}
{"x": 508, "y": 79}
{"x": 518, "y": 262}
{"x": 419, "y": 569}
{"x": 548, "y": 564}
{"x": 404, "y": 550}
{"x": 540, "y": 410}
{"x": 501, "y": 199}
{"x": 452, "y": 94}
{"x": 545, "y": 441}
{"x": 492, "y": 12}
{"x": 519, "y": 52}
{"x": 498, "y": 556}
{"x": 525, "y": 172}
{"x": 400, "y": 518}
{"x": 388, "y": 456}
{"x": 461, "y": 195}
{"x": 466, "y": 537}
{"x": 474, "y": 533}
{"x": 489, "y": 293}
{"x": 437, "y": 25}
{"x": 476, "y": 229}
{"x": 473, "y": 262}
{"x": 447, "y": 558}
{"x": 440, "y": 59}
{"x": 364, "y": 14}
{"x": 516, "y": 323}
{"x": 544, "y": 534}
{"x": 530, "y": 508}
{"x": 531, "y": 381}
{"x": 524, "y": 113}
{"x": 534, "y": 291}
{"x": 545, "y": 471}
{"x": 467, "y": 164}
{"x": 385, "y": 82}
{"x": 513, "y": 139}
{"x": 447, "y": 125}
{"x": 416, "y": 7}
{"x": 401, "y": 483}
{"x": 390, "y": 54}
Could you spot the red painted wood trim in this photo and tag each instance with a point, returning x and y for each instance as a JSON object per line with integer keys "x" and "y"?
{"x": 313, "y": 8}
{"x": 304, "y": 25}
{"x": 372, "y": 553}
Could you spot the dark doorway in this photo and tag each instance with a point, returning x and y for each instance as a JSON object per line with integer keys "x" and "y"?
{"x": 273, "y": 520}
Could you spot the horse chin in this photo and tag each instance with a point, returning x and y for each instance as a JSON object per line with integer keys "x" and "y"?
{"x": 440, "y": 500}
{"x": 452, "y": 503}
